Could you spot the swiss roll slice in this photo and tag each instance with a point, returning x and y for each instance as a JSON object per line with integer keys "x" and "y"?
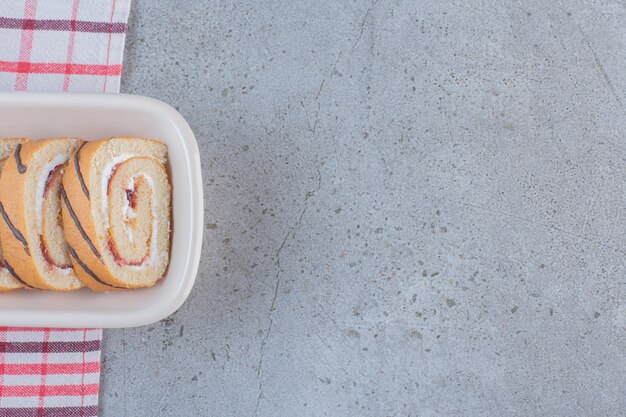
{"x": 34, "y": 248}
{"x": 116, "y": 212}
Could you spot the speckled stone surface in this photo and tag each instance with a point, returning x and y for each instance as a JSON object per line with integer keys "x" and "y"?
{"x": 413, "y": 208}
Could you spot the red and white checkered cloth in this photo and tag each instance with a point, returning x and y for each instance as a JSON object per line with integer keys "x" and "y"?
{"x": 56, "y": 45}
{"x": 62, "y": 45}
{"x": 49, "y": 372}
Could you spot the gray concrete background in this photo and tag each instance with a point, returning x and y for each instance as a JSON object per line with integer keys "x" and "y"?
{"x": 413, "y": 208}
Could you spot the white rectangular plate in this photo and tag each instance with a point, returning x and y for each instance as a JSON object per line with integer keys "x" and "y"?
{"x": 97, "y": 116}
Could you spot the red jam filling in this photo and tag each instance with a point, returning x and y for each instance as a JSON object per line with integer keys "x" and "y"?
{"x": 132, "y": 197}
{"x": 43, "y": 246}
{"x": 119, "y": 259}
{"x": 51, "y": 177}
{"x": 46, "y": 255}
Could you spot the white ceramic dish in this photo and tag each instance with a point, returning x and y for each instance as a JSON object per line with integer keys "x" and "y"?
{"x": 95, "y": 116}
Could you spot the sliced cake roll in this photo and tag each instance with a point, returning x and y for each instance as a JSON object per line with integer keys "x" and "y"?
{"x": 116, "y": 212}
{"x": 33, "y": 243}
{"x": 7, "y": 151}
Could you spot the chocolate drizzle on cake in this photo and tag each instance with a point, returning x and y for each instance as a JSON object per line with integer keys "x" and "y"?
{"x": 79, "y": 174}
{"x": 87, "y": 270}
{"x": 14, "y": 274}
{"x": 18, "y": 235}
{"x": 77, "y": 223}
{"x": 21, "y": 168}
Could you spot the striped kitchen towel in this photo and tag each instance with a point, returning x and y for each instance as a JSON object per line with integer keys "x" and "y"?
{"x": 62, "y": 45}
{"x": 56, "y": 45}
{"x": 49, "y": 372}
